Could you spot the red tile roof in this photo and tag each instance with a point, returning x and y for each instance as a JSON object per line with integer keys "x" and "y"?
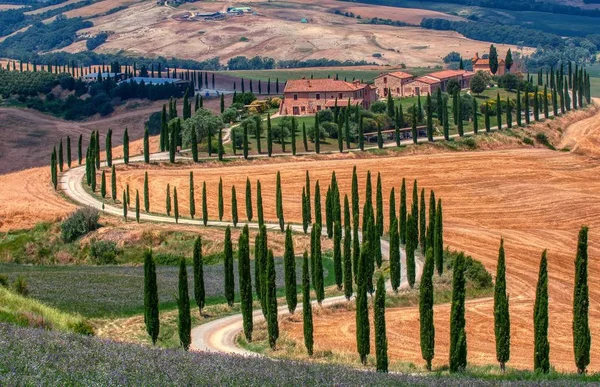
{"x": 427, "y": 79}
{"x": 322, "y": 85}
{"x": 398, "y": 74}
{"x": 445, "y": 74}
{"x": 486, "y": 62}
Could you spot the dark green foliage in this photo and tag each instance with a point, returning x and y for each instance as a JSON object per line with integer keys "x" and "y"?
{"x": 347, "y": 259}
{"x": 318, "y": 259}
{"x": 271, "y": 301}
{"x": 431, "y": 225}
{"x": 379, "y": 205}
{"x": 475, "y": 115}
{"x": 304, "y": 137}
{"x": 234, "y": 209}
{"x": 486, "y": 117}
{"x": 259, "y": 206}
{"x": 394, "y": 255}
{"x": 125, "y": 147}
{"x": 279, "y": 202}
{"x": 269, "y": 136}
{"x": 318, "y": 214}
{"x": 194, "y": 145}
{"x": 248, "y": 200}
{"x": 362, "y": 307}
{"x": 221, "y": 151}
{"x": 446, "y": 121}
{"x": 498, "y": 111}
{"x": 381, "y": 342}
{"x": 306, "y": 306}
{"x": 220, "y": 199}
{"x": 79, "y": 149}
{"x": 581, "y": 330}
{"x": 146, "y": 146}
{"x": 337, "y": 254}
{"x": 414, "y": 133}
{"x": 403, "y": 212}
{"x": 392, "y": 209}
{"x": 317, "y": 135}
{"x": 228, "y": 268}
{"x": 438, "y": 242}
{"x": 103, "y": 185}
{"x": 245, "y": 283}
{"x": 60, "y": 155}
{"x": 304, "y": 211}
{"x": 184, "y": 322}
{"x": 289, "y": 262}
{"x": 518, "y": 108}
{"x": 459, "y": 117}
{"x": 508, "y": 113}
{"x": 53, "y": 169}
{"x": 355, "y": 199}
{"x": 361, "y": 135}
{"x": 69, "y": 151}
{"x": 427, "y": 327}
{"x": 493, "y": 57}
{"x": 329, "y": 213}
{"x": 113, "y": 183}
{"x": 79, "y": 223}
{"x": 423, "y": 223}
{"x": 151, "y": 319}
{"x": 192, "y": 196}
{"x": 146, "y": 193}
{"x": 199, "y": 292}
{"x": 409, "y": 248}
{"x": 175, "y": 205}
{"x": 541, "y": 352}
{"x": 501, "y": 312}
{"x": 429, "y": 111}
{"x": 137, "y": 206}
{"x": 458, "y": 334}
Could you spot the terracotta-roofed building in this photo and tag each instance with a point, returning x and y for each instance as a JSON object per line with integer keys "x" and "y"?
{"x": 392, "y": 83}
{"x": 480, "y": 64}
{"x": 428, "y": 84}
{"x": 308, "y": 96}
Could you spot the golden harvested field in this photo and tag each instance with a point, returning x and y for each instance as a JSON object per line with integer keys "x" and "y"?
{"x": 534, "y": 198}
{"x": 150, "y": 30}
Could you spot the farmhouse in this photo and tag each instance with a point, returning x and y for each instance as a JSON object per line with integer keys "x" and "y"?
{"x": 392, "y": 82}
{"x": 308, "y": 96}
{"x": 93, "y": 77}
{"x": 428, "y": 84}
{"x": 158, "y": 81}
{"x": 481, "y": 64}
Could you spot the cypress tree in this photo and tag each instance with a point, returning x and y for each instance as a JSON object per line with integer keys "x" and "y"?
{"x": 362, "y": 307}
{"x": 126, "y": 147}
{"x": 347, "y": 260}
{"x": 501, "y": 313}
{"x": 361, "y": 133}
{"x": 410, "y": 251}
{"x": 60, "y": 155}
{"x": 304, "y": 137}
{"x": 306, "y": 306}
{"x": 429, "y": 110}
{"x": 475, "y": 117}
{"x": 103, "y": 185}
{"x": 319, "y": 285}
{"x": 184, "y": 323}
{"x": 245, "y": 141}
{"x": 279, "y": 202}
{"x": 415, "y": 214}
{"x": 192, "y": 196}
{"x": 527, "y": 113}
{"x": 546, "y": 108}
{"x": 271, "y": 300}
{"x": 137, "y": 206}
{"x": 269, "y": 136}
{"x": 381, "y": 342}
{"x": 581, "y": 330}
{"x": 423, "y": 223}
{"x": 438, "y": 239}
{"x": 446, "y": 121}
{"x": 228, "y": 268}
{"x": 79, "y": 147}
{"x": 368, "y": 206}
{"x": 392, "y": 209}
{"x": 93, "y": 175}
{"x": 318, "y": 214}
{"x": 458, "y": 334}
{"x": 426, "y": 310}
{"x": 403, "y": 212}
{"x": 541, "y": 352}
{"x": 124, "y": 198}
{"x": 518, "y": 108}
{"x": 355, "y": 199}
{"x": 220, "y": 199}
{"x": 175, "y": 205}
{"x": 168, "y": 201}
{"x": 245, "y": 283}
{"x": 379, "y": 204}
{"x": 248, "y": 200}
{"x": 97, "y": 150}
{"x": 69, "y": 151}
{"x": 259, "y": 205}
{"x": 234, "y": 209}
{"x": 498, "y": 112}
{"x": 355, "y": 252}
{"x": 258, "y": 267}
{"x": 294, "y": 128}
{"x": 394, "y": 255}
{"x": 221, "y": 150}
{"x": 53, "y": 171}
{"x": 146, "y": 146}
{"x": 195, "y": 146}
{"x": 317, "y": 135}
{"x": 414, "y": 131}
{"x": 397, "y": 126}
{"x": 337, "y": 254}
{"x": 113, "y": 183}
{"x": 199, "y": 293}
{"x": 151, "y": 319}
{"x": 204, "y": 205}
{"x": 289, "y": 261}
{"x": 304, "y": 209}
{"x": 328, "y": 213}
{"x": 340, "y": 139}
{"x": 146, "y": 194}
{"x": 459, "y": 117}
{"x": 508, "y": 113}
{"x": 536, "y": 105}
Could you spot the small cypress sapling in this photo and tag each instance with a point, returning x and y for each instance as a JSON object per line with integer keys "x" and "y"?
{"x": 501, "y": 312}
{"x": 381, "y": 343}
{"x": 306, "y": 306}
{"x": 427, "y": 328}
{"x": 184, "y": 322}
{"x": 204, "y": 205}
{"x": 234, "y": 209}
{"x": 337, "y": 254}
{"x": 220, "y": 199}
{"x": 228, "y": 268}
{"x": 137, "y": 206}
{"x": 289, "y": 262}
{"x": 151, "y": 319}
{"x": 199, "y": 293}
{"x": 541, "y": 352}
{"x": 146, "y": 193}
{"x": 192, "y": 196}
{"x": 113, "y": 183}
{"x": 175, "y": 205}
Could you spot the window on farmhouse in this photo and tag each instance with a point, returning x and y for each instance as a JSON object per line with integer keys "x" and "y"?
{"x": 295, "y": 97}
{"x": 318, "y": 97}
{"x": 340, "y": 96}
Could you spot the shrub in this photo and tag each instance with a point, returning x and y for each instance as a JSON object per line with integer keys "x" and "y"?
{"x": 331, "y": 129}
{"x": 79, "y": 223}
{"x": 475, "y": 272}
{"x": 104, "y": 252}
{"x": 20, "y": 286}
{"x": 167, "y": 259}
{"x": 379, "y": 107}
{"x": 82, "y": 327}
{"x": 96, "y": 41}
{"x": 3, "y": 281}
{"x": 229, "y": 115}
{"x": 543, "y": 139}
{"x": 528, "y": 141}
{"x": 326, "y": 115}
{"x": 469, "y": 142}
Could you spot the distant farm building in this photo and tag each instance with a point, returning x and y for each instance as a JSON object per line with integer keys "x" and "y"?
{"x": 158, "y": 81}
{"x": 392, "y": 82}
{"x": 209, "y": 16}
{"x": 481, "y": 64}
{"x": 93, "y": 77}
{"x": 309, "y": 96}
{"x": 239, "y": 10}
{"x": 430, "y": 83}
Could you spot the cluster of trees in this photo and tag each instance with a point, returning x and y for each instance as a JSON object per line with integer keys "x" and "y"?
{"x": 96, "y": 41}
{"x": 266, "y": 63}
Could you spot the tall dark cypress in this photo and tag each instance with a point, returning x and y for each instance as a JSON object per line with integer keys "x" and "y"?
{"x": 271, "y": 300}
{"x": 192, "y": 196}
{"x": 361, "y": 133}
{"x": 279, "y": 202}
{"x": 458, "y": 334}
{"x": 125, "y": 147}
{"x": 60, "y": 155}
{"x": 194, "y": 146}
{"x": 508, "y": 113}
{"x": 293, "y": 135}
{"x": 498, "y": 112}
{"x": 199, "y": 293}
{"x": 228, "y": 268}
{"x": 475, "y": 116}
{"x": 259, "y": 205}
{"x": 362, "y": 307}
{"x": 79, "y": 149}
{"x": 245, "y": 283}
{"x": 269, "y": 136}
{"x": 429, "y": 110}
{"x": 501, "y": 312}
{"x": 394, "y": 255}
{"x": 168, "y": 200}
{"x": 319, "y": 284}
{"x": 289, "y": 262}
{"x": 220, "y": 203}
{"x": 184, "y": 322}
{"x": 68, "y": 146}
{"x": 317, "y": 135}
{"x": 541, "y": 351}
{"x": 151, "y": 319}
{"x": 414, "y": 132}
{"x": 438, "y": 239}
{"x": 337, "y": 254}
{"x": 304, "y": 137}
{"x": 124, "y": 201}
{"x": 137, "y": 205}
{"x": 379, "y": 205}
{"x": 381, "y": 343}
{"x": 414, "y": 210}
{"x": 446, "y": 121}
{"x": 248, "y": 200}
{"x": 234, "y": 209}
{"x": 318, "y": 214}
{"x": 103, "y": 185}
{"x": 409, "y": 248}
{"x": 306, "y": 306}
{"x": 146, "y": 146}
{"x": 581, "y": 330}
{"x": 113, "y": 183}
{"x": 175, "y": 205}
{"x": 423, "y": 223}
{"x": 431, "y": 226}
{"x": 347, "y": 259}
{"x": 427, "y": 327}
{"x": 518, "y": 108}
{"x": 403, "y": 212}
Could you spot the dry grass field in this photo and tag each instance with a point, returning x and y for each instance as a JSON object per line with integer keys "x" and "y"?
{"x": 150, "y": 30}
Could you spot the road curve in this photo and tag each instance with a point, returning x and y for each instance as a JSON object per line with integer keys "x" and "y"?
{"x": 218, "y": 335}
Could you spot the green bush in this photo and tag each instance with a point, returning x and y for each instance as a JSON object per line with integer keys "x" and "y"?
{"x": 167, "y": 259}
{"x": 469, "y": 142}
{"x": 103, "y": 252}
{"x": 20, "y": 286}
{"x": 528, "y": 141}
{"x": 543, "y": 139}
{"x": 79, "y": 223}
{"x": 475, "y": 272}
{"x": 82, "y": 327}
{"x": 3, "y": 281}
